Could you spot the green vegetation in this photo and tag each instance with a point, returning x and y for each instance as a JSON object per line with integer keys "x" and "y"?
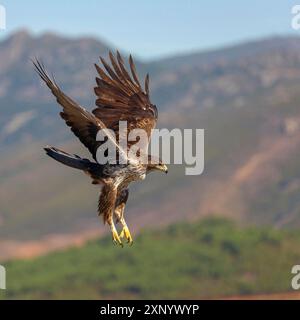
{"x": 211, "y": 258}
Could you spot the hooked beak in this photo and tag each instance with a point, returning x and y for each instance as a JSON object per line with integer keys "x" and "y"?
{"x": 161, "y": 167}
{"x": 165, "y": 169}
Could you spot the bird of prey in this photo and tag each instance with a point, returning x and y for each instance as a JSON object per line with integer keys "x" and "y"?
{"x": 119, "y": 96}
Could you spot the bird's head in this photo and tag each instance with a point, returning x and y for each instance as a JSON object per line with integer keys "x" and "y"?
{"x": 155, "y": 163}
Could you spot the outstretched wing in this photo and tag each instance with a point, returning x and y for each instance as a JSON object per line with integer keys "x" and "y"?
{"x": 120, "y": 97}
{"x": 84, "y": 124}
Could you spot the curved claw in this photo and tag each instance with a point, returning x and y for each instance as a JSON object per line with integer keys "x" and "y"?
{"x": 116, "y": 239}
{"x": 126, "y": 233}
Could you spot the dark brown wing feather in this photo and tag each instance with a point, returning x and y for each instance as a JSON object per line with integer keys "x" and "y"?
{"x": 121, "y": 97}
{"x": 84, "y": 125}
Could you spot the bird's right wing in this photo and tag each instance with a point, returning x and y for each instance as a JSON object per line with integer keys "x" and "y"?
{"x": 83, "y": 124}
{"x": 120, "y": 97}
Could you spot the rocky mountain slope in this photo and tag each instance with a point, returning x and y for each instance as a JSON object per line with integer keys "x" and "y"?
{"x": 246, "y": 97}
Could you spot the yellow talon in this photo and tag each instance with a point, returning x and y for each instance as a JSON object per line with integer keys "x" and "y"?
{"x": 116, "y": 238}
{"x": 126, "y": 233}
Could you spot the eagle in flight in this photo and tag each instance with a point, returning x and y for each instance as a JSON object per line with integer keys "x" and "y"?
{"x": 120, "y": 97}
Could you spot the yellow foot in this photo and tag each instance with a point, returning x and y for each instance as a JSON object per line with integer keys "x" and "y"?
{"x": 126, "y": 233}
{"x": 116, "y": 238}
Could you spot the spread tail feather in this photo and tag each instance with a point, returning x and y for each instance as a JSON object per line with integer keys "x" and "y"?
{"x": 70, "y": 160}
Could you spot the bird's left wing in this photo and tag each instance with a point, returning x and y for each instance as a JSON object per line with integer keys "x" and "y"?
{"x": 83, "y": 124}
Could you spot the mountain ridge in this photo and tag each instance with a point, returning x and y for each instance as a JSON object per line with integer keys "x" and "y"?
{"x": 247, "y": 106}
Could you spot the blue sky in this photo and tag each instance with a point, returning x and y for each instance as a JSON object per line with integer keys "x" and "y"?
{"x": 151, "y": 29}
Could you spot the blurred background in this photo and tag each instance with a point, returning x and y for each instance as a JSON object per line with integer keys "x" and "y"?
{"x": 232, "y": 69}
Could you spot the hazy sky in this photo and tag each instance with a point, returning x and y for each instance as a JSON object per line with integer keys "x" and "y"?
{"x": 154, "y": 28}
